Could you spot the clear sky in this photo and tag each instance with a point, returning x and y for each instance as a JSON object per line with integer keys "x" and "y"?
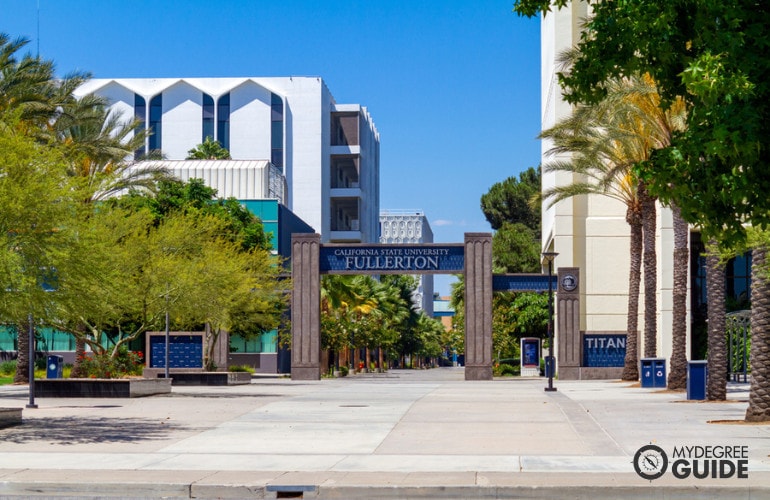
{"x": 453, "y": 86}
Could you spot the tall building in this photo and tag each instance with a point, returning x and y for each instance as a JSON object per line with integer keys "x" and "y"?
{"x": 410, "y": 226}
{"x": 328, "y": 152}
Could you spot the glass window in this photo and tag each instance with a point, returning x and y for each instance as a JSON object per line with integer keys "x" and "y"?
{"x": 276, "y": 130}
{"x": 208, "y": 117}
{"x": 140, "y": 113}
{"x": 223, "y": 121}
{"x": 156, "y": 117}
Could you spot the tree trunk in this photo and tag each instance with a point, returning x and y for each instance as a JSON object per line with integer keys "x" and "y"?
{"x": 677, "y": 376}
{"x": 380, "y": 359}
{"x": 650, "y": 275}
{"x": 631, "y": 364}
{"x": 22, "y": 349}
{"x": 80, "y": 353}
{"x": 716, "y": 388}
{"x": 759, "y": 393}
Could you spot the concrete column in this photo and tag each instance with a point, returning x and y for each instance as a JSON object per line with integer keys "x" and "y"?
{"x": 568, "y": 341}
{"x": 305, "y": 307}
{"x": 478, "y": 306}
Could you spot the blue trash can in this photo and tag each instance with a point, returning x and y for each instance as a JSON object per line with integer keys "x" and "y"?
{"x": 697, "y": 375}
{"x": 550, "y": 361}
{"x": 54, "y": 367}
{"x": 653, "y": 372}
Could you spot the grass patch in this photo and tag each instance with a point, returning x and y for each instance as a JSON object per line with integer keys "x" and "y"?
{"x": 6, "y": 380}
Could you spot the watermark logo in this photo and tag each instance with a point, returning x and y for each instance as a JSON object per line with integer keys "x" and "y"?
{"x": 700, "y": 462}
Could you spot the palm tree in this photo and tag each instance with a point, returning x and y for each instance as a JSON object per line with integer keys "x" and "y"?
{"x": 716, "y": 388}
{"x": 605, "y": 142}
{"x": 759, "y": 396}
{"x": 209, "y": 149}
{"x": 677, "y": 377}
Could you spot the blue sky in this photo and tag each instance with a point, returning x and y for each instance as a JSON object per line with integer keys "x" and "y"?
{"x": 453, "y": 86}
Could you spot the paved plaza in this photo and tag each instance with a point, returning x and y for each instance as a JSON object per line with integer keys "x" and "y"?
{"x": 404, "y": 434}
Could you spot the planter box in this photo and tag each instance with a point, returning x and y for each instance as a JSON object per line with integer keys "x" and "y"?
{"x": 9, "y": 417}
{"x": 209, "y": 378}
{"x": 101, "y": 388}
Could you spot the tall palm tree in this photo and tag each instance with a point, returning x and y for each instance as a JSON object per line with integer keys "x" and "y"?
{"x": 605, "y": 142}
{"x": 716, "y": 386}
{"x": 759, "y": 395}
{"x": 677, "y": 376}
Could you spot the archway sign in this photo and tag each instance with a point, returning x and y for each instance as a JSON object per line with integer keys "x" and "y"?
{"x": 311, "y": 259}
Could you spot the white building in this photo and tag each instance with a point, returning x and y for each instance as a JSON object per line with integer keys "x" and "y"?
{"x": 328, "y": 152}
{"x": 410, "y": 226}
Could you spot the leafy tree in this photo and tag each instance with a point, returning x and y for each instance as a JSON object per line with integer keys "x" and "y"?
{"x": 35, "y": 213}
{"x": 194, "y": 197}
{"x": 510, "y": 201}
{"x": 209, "y": 149}
{"x": 516, "y": 249}
{"x": 711, "y": 54}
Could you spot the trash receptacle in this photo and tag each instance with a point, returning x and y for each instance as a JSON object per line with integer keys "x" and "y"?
{"x": 549, "y": 366}
{"x": 653, "y": 372}
{"x": 54, "y": 366}
{"x": 697, "y": 375}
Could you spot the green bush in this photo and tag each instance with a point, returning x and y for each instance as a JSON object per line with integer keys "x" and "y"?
{"x": 8, "y": 367}
{"x": 343, "y": 371}
{"x": 240, "y": 368}
{"x": 125, "y": 363}
{"x": 505, "y": 370}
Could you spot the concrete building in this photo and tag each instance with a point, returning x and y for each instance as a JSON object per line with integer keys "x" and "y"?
{"x": 410, "y": 226}
{"x": 328, "y": 152}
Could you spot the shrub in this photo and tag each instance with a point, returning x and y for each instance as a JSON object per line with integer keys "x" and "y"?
{"x": 125, "y": 363}
{"x": 8, "y": 367}
{"x": 240, "y": 368}
{"x": 343, "y": 371}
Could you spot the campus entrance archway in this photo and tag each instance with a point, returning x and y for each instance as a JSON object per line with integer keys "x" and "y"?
{"x": 473, "y": 258}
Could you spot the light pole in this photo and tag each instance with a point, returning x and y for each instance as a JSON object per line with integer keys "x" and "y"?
{"x": 550, "y": 361}
{"x": 31, "y": 403}
{"x": 167, "y": 336}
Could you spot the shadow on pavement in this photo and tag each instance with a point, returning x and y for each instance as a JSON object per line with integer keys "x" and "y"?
{"x": 86, "y": 430}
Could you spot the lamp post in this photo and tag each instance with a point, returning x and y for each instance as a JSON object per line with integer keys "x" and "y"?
{"x": 31, "y": 403}
{"x": 550, "y": 361}
{"x": 165, "y": 371}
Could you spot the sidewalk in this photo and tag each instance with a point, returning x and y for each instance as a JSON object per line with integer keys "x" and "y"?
{"x": 404, "y": 434}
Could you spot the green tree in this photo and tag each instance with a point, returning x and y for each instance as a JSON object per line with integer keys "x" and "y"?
{"x": 209, "y": 149}
{"x": 510, "y": 201}
{"x": 194, "y": 197}
{"x": 35, "y": 212}
{"x": 510, "y": 209}
{"x": 711, "y": 54}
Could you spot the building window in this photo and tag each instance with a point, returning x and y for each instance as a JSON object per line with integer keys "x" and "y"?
{"x": 738, "y": 281}
{"x": 223, "y": 121}
{"x": 140, "y": 114}
{"x": 156, "y": 117}
{"x": 208, "y": 117}
{"x": 276, "y": 130}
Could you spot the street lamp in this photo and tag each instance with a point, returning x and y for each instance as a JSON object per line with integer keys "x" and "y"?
{"x": 550, "y": 361}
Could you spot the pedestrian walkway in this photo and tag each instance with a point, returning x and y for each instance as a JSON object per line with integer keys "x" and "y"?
{"x": 404, "y": 434}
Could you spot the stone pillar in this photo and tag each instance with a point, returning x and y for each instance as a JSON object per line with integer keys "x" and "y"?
{"x": 568, "y": 341}
{"x": 305, "y": 307}
{"x": 478, "y": 306}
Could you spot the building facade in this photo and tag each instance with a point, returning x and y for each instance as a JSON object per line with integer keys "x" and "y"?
{"x": 327, "y": 152}
{"x": 410, "y": 226}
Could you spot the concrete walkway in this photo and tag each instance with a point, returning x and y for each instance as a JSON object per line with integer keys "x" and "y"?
{"x": 404, "y": 434}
